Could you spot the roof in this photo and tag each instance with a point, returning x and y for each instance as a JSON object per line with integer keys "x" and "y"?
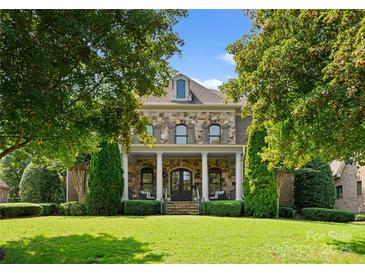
{"x": 337, "y": 168}
{"x": 3, "y": 185}
{"x": 200, "y": 96}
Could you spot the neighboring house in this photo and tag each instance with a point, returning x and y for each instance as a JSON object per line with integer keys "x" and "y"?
{"x": 350, "y": 186}
{"x": 4, "y": 192}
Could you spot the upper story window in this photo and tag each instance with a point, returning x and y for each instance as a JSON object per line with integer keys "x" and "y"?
{"x": 181, "y": 136}
{"x": 149, "y": 129}
{"x": 180, "y": 89}
{"x": 359, "y": 188}
{"x": 214, "y": 134}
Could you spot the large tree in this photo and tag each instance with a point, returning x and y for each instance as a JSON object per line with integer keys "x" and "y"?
{"x": 303, "y": 72}
{"x": 69, "y": 77}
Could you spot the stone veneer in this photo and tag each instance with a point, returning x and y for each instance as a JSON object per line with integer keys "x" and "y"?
{"x": 198, "y": 119}
{"x": 227, "y": 168}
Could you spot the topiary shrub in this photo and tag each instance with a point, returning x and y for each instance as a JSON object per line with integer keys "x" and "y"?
{"x": 105, "y": 181}
{"x": 142, "y": 207}
{"x": 328, "y": 215}
{"x": 49, "y": 209}
{"x": 12, "y": 210}
{"x": 41, "y": 185}
{"x": 286, "y": 212}
{"x": 259, "y": 185}
{"x": 314, "y": 186}
{"x": 224, "y": 208}
{"x": 72, "y": 209}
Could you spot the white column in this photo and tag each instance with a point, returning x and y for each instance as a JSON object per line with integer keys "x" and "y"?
{"x": 238, "y": 176}
{"x": 125, "y": 176}
{"x": 205, "y": 181}
{"x": 159, "y": 184}
{"x": 242, "y": 171}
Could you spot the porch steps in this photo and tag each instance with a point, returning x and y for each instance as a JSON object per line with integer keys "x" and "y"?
{"x": 182, "y": 208}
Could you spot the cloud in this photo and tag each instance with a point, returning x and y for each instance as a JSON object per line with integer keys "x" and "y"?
{"x": 227, "y": 58}
{"x": 210, "y": 83}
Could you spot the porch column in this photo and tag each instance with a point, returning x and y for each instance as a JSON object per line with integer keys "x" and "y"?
{"x": 159, "y": 184}
{"x": 125, "y": 176}
{"x": 238, "y": 176}
{"x": 205, "y": 181}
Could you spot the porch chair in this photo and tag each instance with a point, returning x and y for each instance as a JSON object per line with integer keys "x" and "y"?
{"x": 218, "y": 195}
{"x": 147, "y": 195}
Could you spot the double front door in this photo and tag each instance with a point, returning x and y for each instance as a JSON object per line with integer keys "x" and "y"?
{"x": 181, "y": 185}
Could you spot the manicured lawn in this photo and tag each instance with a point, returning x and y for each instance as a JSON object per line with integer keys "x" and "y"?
{"x": 178, "y": 239}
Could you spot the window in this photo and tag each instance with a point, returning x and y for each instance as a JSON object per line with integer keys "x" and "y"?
{"x": 215, "y": 180}
{"x": 180, "y": 89}
{"x": 181, "y": 136}
{"x": 339, "y": 191}
{"x": 149, "y": 129}
{"x": 359, "y": 188}
{"x": 147, "y": 182}
{"x": 214, "y": 134}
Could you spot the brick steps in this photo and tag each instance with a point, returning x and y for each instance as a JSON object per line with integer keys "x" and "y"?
{"x": 182, "y": 208}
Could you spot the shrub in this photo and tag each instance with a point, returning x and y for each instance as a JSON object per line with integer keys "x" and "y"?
{"x": 328, "y": 215}
{"x": 286, "y": 212}
{"x": 142, "y": 207}
{"x": 360, "y": 218}
{"x": 224, "y": 208}
{"x": 41, "y": 185}
{"x": 105, "y": 181}
{"x": 259, "y": 185}
{"x": 72, "y": 209}
{"x": 314, "y": 186}
{"x": 49, "y": 209}
{"x": 11, "y": 210}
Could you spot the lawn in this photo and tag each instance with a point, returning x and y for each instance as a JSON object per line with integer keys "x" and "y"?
{"x": 178, "y": 239}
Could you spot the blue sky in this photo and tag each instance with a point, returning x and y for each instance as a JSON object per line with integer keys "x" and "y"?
{"x": 206, "y": 34}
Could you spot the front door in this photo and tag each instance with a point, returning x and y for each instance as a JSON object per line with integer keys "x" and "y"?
{"x": 181, "y": 185}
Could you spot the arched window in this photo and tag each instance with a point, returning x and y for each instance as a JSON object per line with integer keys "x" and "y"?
{"x": 147, "y": 181}
{"x": 215, "y": 180}
{"x": 149, "y": 129}
{"x": 180, "y": 88}
{"x": 181, "y": 136}
{"x": 214, "y": 134}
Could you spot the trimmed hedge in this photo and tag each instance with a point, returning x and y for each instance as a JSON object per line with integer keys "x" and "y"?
{"x": 142, "y": 207}
{"x": 328, "y": 215}
{"x": 72, "y": 209}
{"x": 12, "y": 210}
{"x": 286, "y": 212}
{"x": 224, "y": 208}
{"x": 360, "y": 218}
{"x": 259, "y": 185}
{"x": 49, "y": 209}
{"x": 314, "y": 186}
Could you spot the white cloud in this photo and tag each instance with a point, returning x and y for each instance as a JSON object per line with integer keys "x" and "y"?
{"x": 210, "y": 83}
{"x": 227, "y": 58}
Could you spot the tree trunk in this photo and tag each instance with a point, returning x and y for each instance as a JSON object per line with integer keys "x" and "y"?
{"x": 78, "y": 174}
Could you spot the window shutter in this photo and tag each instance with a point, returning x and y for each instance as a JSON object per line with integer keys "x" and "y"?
{"x": 205, "y": 134}
{"x": 191, "y": 134}
{"x": 157, "y": 133}
{"x": 171, "y": 134}
{"x": 225, "y": 134}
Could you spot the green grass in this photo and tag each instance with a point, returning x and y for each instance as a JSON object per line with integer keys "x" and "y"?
{"x": 178, "y": 239}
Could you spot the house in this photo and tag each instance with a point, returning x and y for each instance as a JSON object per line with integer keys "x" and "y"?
{"x": 4, "y": 192}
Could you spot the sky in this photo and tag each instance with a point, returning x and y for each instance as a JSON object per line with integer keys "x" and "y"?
{"x": 206, "y": 34}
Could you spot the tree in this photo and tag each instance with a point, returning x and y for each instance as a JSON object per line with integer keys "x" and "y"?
{"x": 303, "y": 72}
{"x": 314, "y": 186}
{"x": 259, "y": 186}
{"x": 71, "y": 77}
{"x": 105, "y": 181}
{"x": 41, "y": 184}
{"x": 11, "y": 171}
{"x": 79, "y": 174}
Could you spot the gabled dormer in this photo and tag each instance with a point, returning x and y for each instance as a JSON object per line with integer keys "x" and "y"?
{"x": 181, "y": 89}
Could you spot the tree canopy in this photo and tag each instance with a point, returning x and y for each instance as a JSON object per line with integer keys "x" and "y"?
{"x": 70, "y": 77}
{"x": 303, "y": 73}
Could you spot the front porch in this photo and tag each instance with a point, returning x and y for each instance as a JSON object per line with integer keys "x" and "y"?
{"x": 187, "y": 175}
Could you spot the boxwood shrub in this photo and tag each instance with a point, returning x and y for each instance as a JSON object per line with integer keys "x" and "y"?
{"x": 286, "y": 212}
{"x": 328, "y": 215}
{"x": 224, "y": 208}
{"x": 12, "y": 210}
{"x": 360, "y": 217}
{"x": 72, "y": 209}
{"x": 142, "y": 207}
{"x": 49, "y": 209}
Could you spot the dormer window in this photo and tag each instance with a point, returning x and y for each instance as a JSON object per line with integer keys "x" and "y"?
{"x": 180, "y": 89}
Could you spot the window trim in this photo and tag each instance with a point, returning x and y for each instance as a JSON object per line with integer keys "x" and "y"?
{"x": 218, "y": 171}
{"x": 213, "y": 135}
{"x": 148, "y": 170}
{"x": 177, "y": 89}
{"x": 181, "y": 135}
{"x": 339, "y": 194}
